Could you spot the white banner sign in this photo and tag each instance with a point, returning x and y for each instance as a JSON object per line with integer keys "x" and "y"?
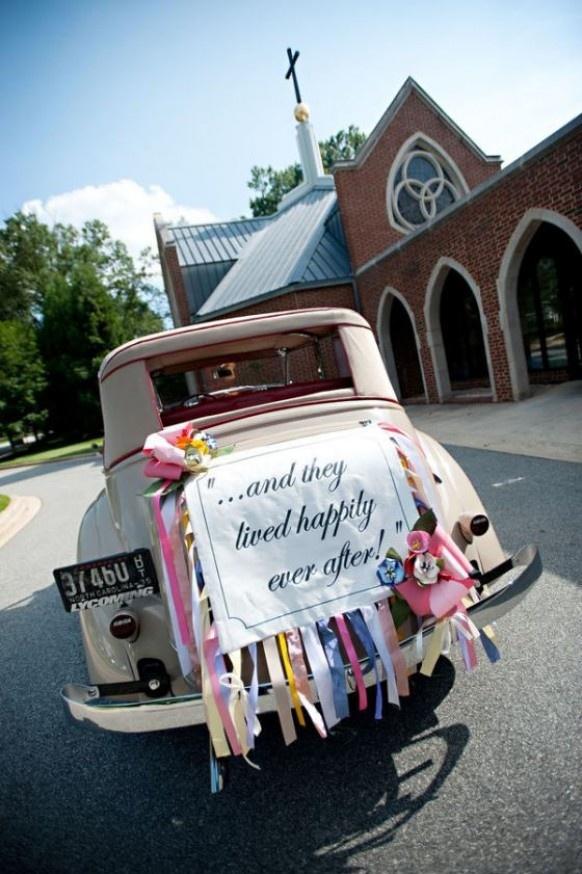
{"x": 292, "y": 533}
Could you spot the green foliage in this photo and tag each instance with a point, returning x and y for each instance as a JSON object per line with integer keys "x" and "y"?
{"x": 426, "y": 522}
{"x": 22, "y": 379}
{"x": 272, "y": 185}
{"x": 27, "y": 252}
{"x": 74, "y": 296}
{"x": 341, "y": 146}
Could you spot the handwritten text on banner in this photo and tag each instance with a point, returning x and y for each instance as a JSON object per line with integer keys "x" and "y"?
{"x": 292, "y": 533}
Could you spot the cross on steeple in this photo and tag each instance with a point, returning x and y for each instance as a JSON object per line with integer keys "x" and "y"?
{"x": 291, "y": 72}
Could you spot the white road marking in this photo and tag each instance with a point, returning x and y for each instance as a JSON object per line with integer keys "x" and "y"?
{"x": 508, "y": 482}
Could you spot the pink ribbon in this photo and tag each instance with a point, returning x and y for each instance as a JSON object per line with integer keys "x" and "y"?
{"x": 354, "y": 661}
{"x": 170, "y": 568}
{"x": 165, "y": 461}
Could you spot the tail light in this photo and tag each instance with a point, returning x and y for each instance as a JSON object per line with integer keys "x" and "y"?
{"x": 473, "y": 525}
{"x": 124, "y": 626}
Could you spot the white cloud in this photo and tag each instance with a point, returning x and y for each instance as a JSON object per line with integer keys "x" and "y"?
{"x": 126, "y": 208}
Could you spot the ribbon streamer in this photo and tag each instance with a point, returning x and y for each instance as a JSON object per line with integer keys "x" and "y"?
{"x": 280, "y": 690}
{"x": 361, "y": 630}
{"x": 370, "y": 614}
{"x": 434, "y": 648}
{"x": 302, "y": 681}
{"x": 393, "y": 644}
{"x": 170, "y": 568}
{"x": 321, "y": 674}
{"x": 210, "y": 652}
{"x": 213, "y": 720}
{"x": 353, "y": 659}
{"x": 253, "y": 698}
{"x": 281, "y": 640}
{"x": 240, "y": 696}
{"x": 467, "y": 633}
{"x": 336, "y": 666}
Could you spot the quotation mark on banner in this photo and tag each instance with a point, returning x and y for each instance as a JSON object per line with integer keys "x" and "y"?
{"x": 399, "y": 526}
{"x": 211, "y": 482}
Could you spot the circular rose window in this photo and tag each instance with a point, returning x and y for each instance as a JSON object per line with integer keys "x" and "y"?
{"x": 421, "y": 189}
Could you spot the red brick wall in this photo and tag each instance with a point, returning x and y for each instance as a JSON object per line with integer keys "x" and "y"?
{"x": 332, "y": 296}
{"x": 476, "y": 236}
{"x": 175, "y": 276}
{"x": 362, "y": 191}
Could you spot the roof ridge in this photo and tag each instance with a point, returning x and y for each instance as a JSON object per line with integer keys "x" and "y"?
{"x": 258, "y": 218}
{"x": 410, "y": 85}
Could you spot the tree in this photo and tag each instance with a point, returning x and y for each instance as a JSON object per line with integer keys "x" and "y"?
{"x": 272, "y": 185}
{"x": 79, "y": 294}
{"x": 27, "y": 255}
{"x": 22, "y": 379}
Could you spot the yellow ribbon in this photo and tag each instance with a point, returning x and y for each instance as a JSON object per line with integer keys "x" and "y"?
{"x": 281, "y": 640}
{"x": 279, "y": 690}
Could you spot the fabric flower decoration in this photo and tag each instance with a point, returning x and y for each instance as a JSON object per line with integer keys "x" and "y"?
{"x": 170, "y": 454}
{"x": 426, "y": 569}
{"x": 418, "y": 541}
{"x": 208, "y": 439}
{"x": 390, "y": 571}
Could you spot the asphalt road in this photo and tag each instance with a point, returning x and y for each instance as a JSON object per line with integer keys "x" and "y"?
{"x": 476, "y": 774}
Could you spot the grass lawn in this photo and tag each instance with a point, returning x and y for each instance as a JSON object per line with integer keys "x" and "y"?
{"x": 4, "y": 501}
{"x": 53, "y": 453}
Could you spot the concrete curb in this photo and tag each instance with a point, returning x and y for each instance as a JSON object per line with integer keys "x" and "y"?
{"x": 19, "y": 512}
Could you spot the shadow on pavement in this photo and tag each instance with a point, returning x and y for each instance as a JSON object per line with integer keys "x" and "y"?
{"x": 74, "y": 799}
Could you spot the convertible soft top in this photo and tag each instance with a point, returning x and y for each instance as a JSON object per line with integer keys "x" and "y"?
{"x": 128, "y": 401}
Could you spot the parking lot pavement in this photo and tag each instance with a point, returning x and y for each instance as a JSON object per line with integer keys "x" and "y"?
{"x": 547, "y": 425}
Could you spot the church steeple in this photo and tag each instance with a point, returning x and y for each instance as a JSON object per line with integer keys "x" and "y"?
{"x": 309, "y": 153}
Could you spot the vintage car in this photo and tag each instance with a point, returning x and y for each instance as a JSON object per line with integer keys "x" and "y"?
{"x": 255, "y": 390}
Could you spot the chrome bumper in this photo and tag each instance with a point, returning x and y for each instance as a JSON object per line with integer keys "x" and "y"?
{"x": 83, "y": 703}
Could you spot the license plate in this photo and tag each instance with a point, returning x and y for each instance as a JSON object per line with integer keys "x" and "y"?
{"x": 111, "y": 580}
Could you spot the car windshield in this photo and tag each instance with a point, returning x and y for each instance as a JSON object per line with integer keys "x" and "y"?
{"x": 290, "y": 364}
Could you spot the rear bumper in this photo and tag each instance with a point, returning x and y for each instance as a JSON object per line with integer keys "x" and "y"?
{"x": 83, "y": 703}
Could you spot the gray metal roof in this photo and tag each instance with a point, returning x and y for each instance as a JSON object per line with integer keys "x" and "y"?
{"x": 300, "y": 244}
{"x": 212, "y": 243}
{"x": 330, "y": 259}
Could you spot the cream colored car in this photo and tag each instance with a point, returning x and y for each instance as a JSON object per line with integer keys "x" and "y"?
{"x": 252, "y": 382}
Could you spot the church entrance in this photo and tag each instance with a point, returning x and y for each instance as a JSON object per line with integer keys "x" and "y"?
{"x": 462, "y": 335}
{"x": 406, "y": 359}
{"x": 549, "y": 294}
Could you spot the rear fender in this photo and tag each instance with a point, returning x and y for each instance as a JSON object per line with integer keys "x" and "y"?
{"x": 458, "y": 496}
{"x": 110, "y": 660}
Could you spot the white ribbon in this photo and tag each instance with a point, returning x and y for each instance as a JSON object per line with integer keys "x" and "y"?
{"x": 373, "y": 622}
{"x": 321, "y": 673}
{"x": 239, "y": 696}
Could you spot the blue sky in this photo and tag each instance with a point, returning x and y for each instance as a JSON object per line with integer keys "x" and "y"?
{"x": 117, "y": 108}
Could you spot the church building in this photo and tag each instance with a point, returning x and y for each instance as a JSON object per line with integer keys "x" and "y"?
{"x": 470, "y": 274}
